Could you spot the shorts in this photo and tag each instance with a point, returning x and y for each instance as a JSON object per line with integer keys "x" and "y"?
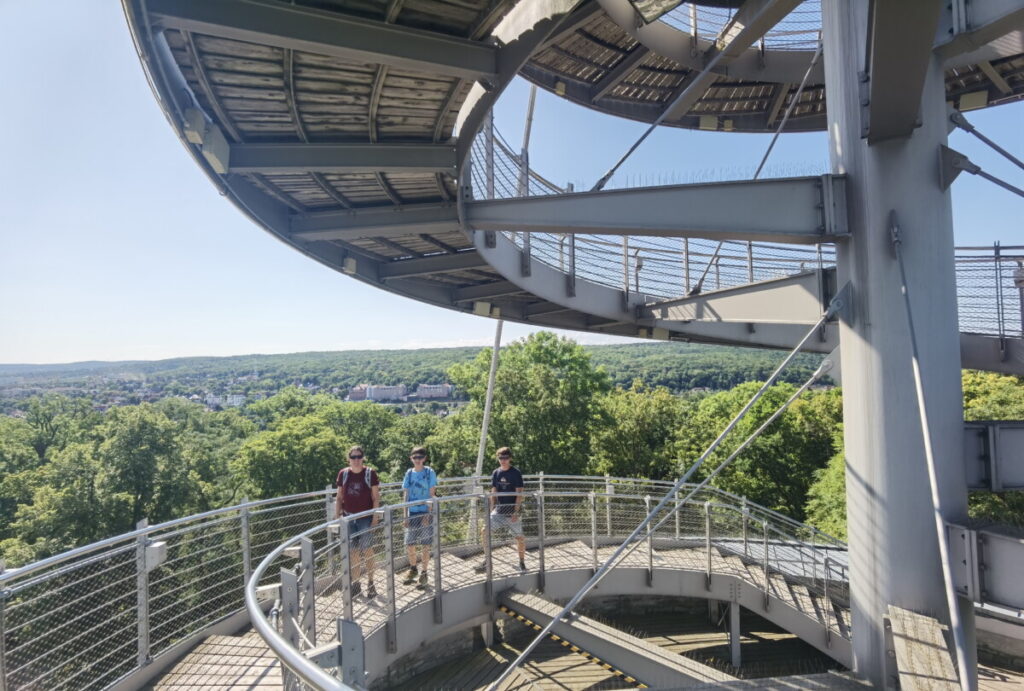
{"x": 503, "y": 523}
{"x": 418, "y": 530}
{"x": 359, "y": 535}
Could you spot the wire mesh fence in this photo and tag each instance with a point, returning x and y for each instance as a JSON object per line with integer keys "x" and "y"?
{"x": 989, "y": 280}
{"x": 92, "y": 616}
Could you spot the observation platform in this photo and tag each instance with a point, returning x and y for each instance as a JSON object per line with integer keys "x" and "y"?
{"x": 359, "y": 133}
{"x": 164, "y": 606}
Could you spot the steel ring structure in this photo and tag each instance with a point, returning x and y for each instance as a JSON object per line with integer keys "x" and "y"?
{"x": 360, "y": 133}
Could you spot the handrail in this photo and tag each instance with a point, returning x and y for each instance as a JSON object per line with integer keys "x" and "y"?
{"x": 817, "y": 564}
{"x": 55, "y": 610}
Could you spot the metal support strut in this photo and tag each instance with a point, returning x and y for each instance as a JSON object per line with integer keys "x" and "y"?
{"x": 630, "y": 543}
{"x": 959, "y": 638}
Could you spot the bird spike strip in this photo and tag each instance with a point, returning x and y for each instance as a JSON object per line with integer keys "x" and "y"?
{"x": 576, "y": 649}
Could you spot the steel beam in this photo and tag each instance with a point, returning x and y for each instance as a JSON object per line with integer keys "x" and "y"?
{"x": 791, "y": 300}
{"x": 794, "y": 210}
{"x": 521, "y": 32}
{"x": 329, "y": 33}
{"x": 384, "y": 221}
{"x": 994, "y": 455}
{"x": 274, "y": 159}
{"x": 485, "y": 291}
{"x": 900, "y": 50}
{"x": 751, "y": 22}
{"x": 441, "y": 263}
{"x": 987, "y": 22}
{"x": 619, "y": 72}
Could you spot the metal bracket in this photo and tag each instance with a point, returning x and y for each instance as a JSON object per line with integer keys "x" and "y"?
{"x": 352, "y": 652}
{"x": 963, "y": 556}
{"x": 864, "y": 93}
{"x": 951, "y": 164}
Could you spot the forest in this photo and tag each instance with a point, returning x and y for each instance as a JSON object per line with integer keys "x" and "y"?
{"x": 71, "y": 474}
{"x": 679, "y": 367}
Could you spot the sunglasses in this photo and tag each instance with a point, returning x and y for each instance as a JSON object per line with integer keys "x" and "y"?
{"x": 356, "y": 457}
{"x": 418, "y": 457}
{"x": 504, "y": 457}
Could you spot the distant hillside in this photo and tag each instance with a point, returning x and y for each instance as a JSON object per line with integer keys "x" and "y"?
{"x": 677, "y": 366}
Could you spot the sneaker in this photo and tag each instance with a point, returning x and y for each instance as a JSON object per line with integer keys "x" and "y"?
{"x": 410, "y": 576}
{"x": 423, "y": 580}
{"x": 522, "y": 566}
{"x": 481, "y": 567}
{"x": 371, "y": 592}
{"x": 356, "y": 588}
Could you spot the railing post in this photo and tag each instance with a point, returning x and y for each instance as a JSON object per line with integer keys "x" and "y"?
{"x": 592, "y": 500}
{"x": 609, "y": 490}
{"x": 1000, "y": 316}
{"x": 3, "y": 633}
{"x": 678, "y": 518}
{"x": 142, "y": 594}
{"x": 570, "y": 275}
{"x": 307, "y": 590}
{"x": 246, "y": 539}
{"x": 392, "y": 623}
{"x": 686, "y": 266}
{"x": 625, "y": 267}
{"x": 290, "y": 629}
{"x": 328, "y": 504}
{"x": 351, "y": 654}
{"x": 1018, "y": 280}
{"x": 746, "y": 521}
{"x": 488, "y": 563}
{"x": 540, "y": 481}
{"x": 707, "y": 544}
{"x": 750, "y": 262}
{"x": 764, "y": 566}
{"x": 345, "y": 549}
{"x": 650, "y": 544}
{"x": 435, "y": 507}
{"x": 540, "y": 541}
{"x": 828, "y": 608}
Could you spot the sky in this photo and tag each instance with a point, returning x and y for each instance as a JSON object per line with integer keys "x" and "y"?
{"x": 114, "y": 245}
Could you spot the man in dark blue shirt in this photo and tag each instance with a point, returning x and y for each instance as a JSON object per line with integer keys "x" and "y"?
{"x": 506, "y": 500}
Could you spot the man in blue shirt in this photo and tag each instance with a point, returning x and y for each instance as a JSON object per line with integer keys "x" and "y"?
{"x": 420, "y": 484}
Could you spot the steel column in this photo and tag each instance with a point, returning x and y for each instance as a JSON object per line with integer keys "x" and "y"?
{"x": 609, "y": 490}
{"x": 829, "y": 610}
{"x": 650, "y": 545}
{"x": 389, "y": 546}
{"x": 746, "y": 521}
{"x": 307, "y": 590}
{"x": 892, "y": 538}
{"x": 142, "y": 594}
{"x": 435, "y": 509}
{"x": 707, "y": 544}
{"x": 592, "y": 501}
{"x": 488, "y": 560}
{"x": 345, "y": 548}
{"x": 289, "y": 610}
{"x": 246, "y": 539}
{"x": 764, "y": 563}
{"x": 734, "y": 634}
{"x": 541, "y": 566}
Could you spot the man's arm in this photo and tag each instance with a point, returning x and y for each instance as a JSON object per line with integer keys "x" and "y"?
{"x": 493, "y": 497}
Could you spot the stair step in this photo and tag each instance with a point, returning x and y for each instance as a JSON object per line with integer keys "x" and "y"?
{"x": 779, "y": 587}
{"x": 806, "y": 602}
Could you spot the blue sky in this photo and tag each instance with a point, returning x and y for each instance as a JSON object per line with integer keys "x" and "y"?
{"x": 113, "y": 244}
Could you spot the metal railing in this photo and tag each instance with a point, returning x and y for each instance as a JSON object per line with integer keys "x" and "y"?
{"x": 568, "y": 523}
{"x": 990, "y": 280}
{"x": 95, "y": 615}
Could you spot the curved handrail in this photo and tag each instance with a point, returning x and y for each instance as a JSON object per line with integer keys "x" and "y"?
{"x": 70, "y": 618}
{"x": 567, "y": 513}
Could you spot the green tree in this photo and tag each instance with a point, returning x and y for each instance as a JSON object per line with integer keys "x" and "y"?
{"x": 826, "y": 497}
{"x": 777, "y": 469}
{"x": 546, "y": 401}
{"x": 366, "y": 423}
{"x": 301, "y": 454}
{"x": 639, "y": 438}
{"x": 399, "y": 440}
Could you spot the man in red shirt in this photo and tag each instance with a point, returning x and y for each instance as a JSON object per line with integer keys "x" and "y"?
{"x": 359, "y": 491}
